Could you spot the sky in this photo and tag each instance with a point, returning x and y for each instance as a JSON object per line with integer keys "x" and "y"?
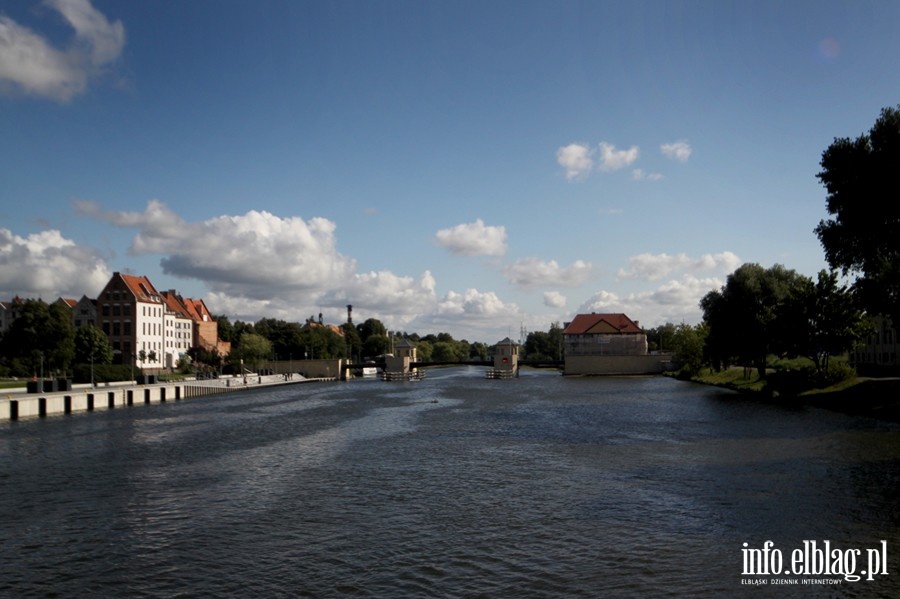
{"x": 469, "y": 167}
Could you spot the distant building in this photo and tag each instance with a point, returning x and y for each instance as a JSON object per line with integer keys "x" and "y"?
{"x": 178, "y": 328}
{"x": 131, "y": 313}
{"x": 878, "y": 352}
{"x": 9, "y": 311}
{"x": 506, "y": 360}
{"x": 607, "y": 344}
{"x": 604, "y": 335}
{"x": 84, "y": 313}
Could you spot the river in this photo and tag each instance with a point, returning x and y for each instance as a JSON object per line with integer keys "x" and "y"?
{"x": 455, "y": 486}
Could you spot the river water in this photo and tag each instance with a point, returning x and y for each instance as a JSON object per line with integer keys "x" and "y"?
{"x": 455, "y": 486}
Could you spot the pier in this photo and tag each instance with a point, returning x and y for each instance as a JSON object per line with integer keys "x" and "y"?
{"x": 17, "y": 403}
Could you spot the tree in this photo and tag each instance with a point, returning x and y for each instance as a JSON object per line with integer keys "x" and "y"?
{"x": 863, "y": 237}
{"x": 92, "y": 346}
{"x": 253, "y": 349}
{"x": 225, "y": 328}
{"x": 823, "y": 319}
{"x": 41, "y": 337}
{"x": 746, "y": 316}
{"x": 687, "y": 345}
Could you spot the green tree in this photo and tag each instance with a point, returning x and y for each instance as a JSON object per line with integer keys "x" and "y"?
{"x": 225, "y": 328}
{"x": 687, "y": 344}
{"x": 863, "y": 237}
{"x": 661, "y": 338}
{"x": 92, "y": 346}
{"x": 41, "y": 337}
{"x": 253, "y": 349}
{"x": 823, "y": 319}
{"x": 372, "y": 326}
{"x": 746, "y": 315}
{"x": 352, "y": 341}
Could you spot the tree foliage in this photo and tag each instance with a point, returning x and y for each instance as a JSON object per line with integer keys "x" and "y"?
{"x": 760, "y": 312}
{"x": 92, "y": 346}
{"x": 252, "y": 349}
{"x": 862, "y": 178}
{"x": 41, "y": 337}
{"x": 544, "y": 345}
{"x": 746, "y": 316}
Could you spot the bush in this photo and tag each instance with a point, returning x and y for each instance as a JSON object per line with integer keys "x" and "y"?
{"x": 804, "y": 376}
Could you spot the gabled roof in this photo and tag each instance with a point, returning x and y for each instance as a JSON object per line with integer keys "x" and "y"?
{"x": 68, "y": 301}
{"x": 141, "y": 288}
{"x": 506, "y": 341}
{"x": 609, "y": 324}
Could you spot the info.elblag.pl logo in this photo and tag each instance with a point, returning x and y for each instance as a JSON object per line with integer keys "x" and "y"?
{"x": 814, "y": 559}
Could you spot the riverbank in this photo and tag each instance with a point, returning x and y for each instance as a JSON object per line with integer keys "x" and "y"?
{"x": 861, "y": 396}
{"x": 17, "y": 403}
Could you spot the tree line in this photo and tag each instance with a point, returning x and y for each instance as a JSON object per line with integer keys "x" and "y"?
{"x": 762, "y": 313}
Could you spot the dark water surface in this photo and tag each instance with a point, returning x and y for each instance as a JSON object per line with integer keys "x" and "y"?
{"x": 455, "y": 486}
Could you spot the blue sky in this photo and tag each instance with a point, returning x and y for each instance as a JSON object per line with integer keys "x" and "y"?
{"x": 468, "y": 167}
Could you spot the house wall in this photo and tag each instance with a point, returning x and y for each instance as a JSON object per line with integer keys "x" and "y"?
{"x": 621, "y": 344}
{"x": 610, "y": 365}
{"x": 880, "y": 348}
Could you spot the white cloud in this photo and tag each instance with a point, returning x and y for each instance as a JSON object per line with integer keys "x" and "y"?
{"x": 576, "y": 159}
{"x": 612, "y": 159}
{"x": 473, "y": 239}
{"x": 674, "y": 301}
{"x": 254, "y": 255}
{"x": 679, "y": 150}
{"x": 259, "y": 265}
{"x": 554, "y": 299}
{"x": 639, "y": 175}
{"x": 29, "y": 63}
{"x": 652, "y": 267}
{"x": 48, "y": 265}
{"x": 533, "y": 272}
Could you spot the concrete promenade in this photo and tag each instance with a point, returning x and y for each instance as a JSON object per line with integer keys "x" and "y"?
{"x": 17, "y": 403}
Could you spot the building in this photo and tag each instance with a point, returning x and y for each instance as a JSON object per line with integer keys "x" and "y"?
{"x": 604, "y": 335}
{"x": 84, "y": 313}
{"x": 9, "y": 311}
{"x": 131, "y": 312}
{"x": 506, "y": 360}
{"x": 877, "y": 354}
{"x": 178, "y": 328}
{"x": 597, "y": 344}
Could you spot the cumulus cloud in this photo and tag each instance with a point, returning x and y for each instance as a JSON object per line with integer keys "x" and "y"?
{"x": 30, "y": 64}
{"x": 652, "y": 267}
{"x": 554, "y": 299}
{"x": 679, "y": 150}
{"x": 533, "y": 272}
{"x": 254, "y": 255}
{"x": 48, "y": 265}
{"x": 612, "y": 159}
{"x": 673, "y": 301}
{"x": 576, "y": 159}
{"x": 639, "y": 175}
{"x": 473, "y": 239}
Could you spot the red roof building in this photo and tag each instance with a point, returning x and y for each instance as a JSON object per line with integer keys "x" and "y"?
{"x": 604, "y": 335}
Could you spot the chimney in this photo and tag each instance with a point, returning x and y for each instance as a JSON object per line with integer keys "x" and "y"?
{"x": 349, "y": 314}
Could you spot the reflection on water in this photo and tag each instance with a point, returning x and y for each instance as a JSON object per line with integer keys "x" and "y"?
{"x": 451, "y": 486}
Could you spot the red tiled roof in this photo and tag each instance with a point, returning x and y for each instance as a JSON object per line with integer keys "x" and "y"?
{"x": 601, "y": 323}
{"x": 141, "y": 288}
